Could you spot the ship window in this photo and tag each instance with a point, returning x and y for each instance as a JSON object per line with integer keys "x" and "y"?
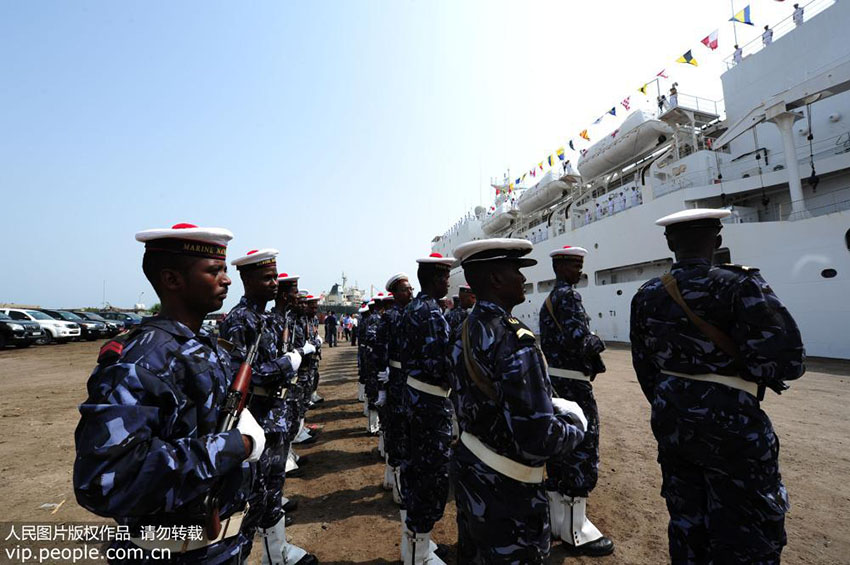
{"x": 722, "y": 256}
{"x": 828, "y": 273}
{"x": 546, "y": 286}
{"x": 528, "y": 288}
{"x": 847, "y": 239}
{"x": 635, "y": 272}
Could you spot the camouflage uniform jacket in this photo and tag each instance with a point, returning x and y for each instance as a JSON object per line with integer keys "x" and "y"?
{"x": 147, "y": 451}
{"x": 736, "y": 300}
{"x": 520, "y": 423}
{"x": 425, "y": 342}
{"x": 455, "y": 317}
{"x": 387, "y": 339}
{"x": 573, "y": 347}
{"x": 271, "y": 370}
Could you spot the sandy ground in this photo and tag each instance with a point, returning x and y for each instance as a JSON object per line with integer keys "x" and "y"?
{"x": 345, "y": 516}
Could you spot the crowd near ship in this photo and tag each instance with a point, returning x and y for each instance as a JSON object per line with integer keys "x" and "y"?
{"x": 776, "y": 153}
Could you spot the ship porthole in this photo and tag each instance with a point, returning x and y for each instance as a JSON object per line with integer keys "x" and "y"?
{"x": 619, "y": 293}
{"x": 596, "y": 245}
{"x": 847, "y": 239}
{"x": 828, "y": 273}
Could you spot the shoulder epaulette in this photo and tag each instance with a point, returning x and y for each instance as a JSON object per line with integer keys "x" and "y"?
{"x": 739, "y": 268}
{"x": 112, "y": 349}
{"x": 523, "y": 333}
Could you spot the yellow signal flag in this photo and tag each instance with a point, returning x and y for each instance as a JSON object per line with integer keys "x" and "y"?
{"x": 687, "y": 58}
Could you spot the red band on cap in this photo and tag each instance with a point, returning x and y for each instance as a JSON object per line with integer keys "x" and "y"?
{"x": 282, "y": 275}
{"x": 252, "y": 251}
{"x": 435, "y": 255}
{"x": 183, "y": 226}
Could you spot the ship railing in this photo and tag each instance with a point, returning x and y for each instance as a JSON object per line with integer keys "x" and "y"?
{"x": 813, "y": 206}
{"x": 780, "y": 29}
{"x": 580, "y": 218}
{"x": 692, "y": 102}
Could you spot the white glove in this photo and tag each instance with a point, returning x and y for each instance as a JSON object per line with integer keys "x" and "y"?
{"x": 308, "y": 349}
{"x": 384, "y": 376}
{"x": 248, "y": 426}
{"x": 320, "y": 340}
{"x": 382, "y": 398}
{"x": 294, "y": 359}
{"x": 564, "y": 407}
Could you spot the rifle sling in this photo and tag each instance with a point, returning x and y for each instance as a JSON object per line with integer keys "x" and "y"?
{"x": 472, "y": 368}
{"x": 551, "y": 309}
{"x": 723, "y": 341}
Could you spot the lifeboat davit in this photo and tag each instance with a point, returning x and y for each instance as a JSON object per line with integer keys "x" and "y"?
{"x": 639, "y": 134}
{"x": 499, "y": 220}
{"x": 545, "y": 192}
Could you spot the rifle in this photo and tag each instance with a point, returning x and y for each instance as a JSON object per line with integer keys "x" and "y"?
{"x": 234, "y": 403}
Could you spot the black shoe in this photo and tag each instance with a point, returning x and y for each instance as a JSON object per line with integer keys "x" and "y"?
{"x": 288, "y": 519}
{"x": 295, "y": 473}
{"x": 302, "y": 460}
{"x": 308, "y": 559}
{"x": 442, "y": 551}
{"x": 291, "y": 505}
{"x": 308, "y": 441}
{"x": 597, "y": 548}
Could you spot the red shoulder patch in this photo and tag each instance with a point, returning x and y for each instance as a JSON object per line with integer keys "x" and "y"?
{"x": 110, "y": 352}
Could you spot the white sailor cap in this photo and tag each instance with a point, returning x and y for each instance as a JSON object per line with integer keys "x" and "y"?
{"x": 464, "y": 288}
{"x": 395, "y": 278}
{"x": 569, "y": 251}
{"x": 187, "y": 239}
{"x": 256, "y": 258}
{"x": 311, "y": 298}
{"x": 694, "y": 218}
{"x": 437, "y": 259}
{"x": 495, "y": 249}
{"x": 285, "y": 277}
{"x": 379, "y": 298}
{"x": 370, "y": 303}
{"x": 362, "y": 309}
{"x": 389, "y": 297}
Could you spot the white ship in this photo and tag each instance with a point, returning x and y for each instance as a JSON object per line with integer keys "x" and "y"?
{"x": 756, "y": 160}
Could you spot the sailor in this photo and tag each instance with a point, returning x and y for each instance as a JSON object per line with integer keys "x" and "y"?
{"x": 674, "y": 95}
{"x": 738, "y": 56}
{"x": 376, "y": 307}
{"x": 306, "y": 332}
{"x": 272, "y": 372}
{"x": 798, "y": 15}
{"x": 599, "y": 212}
{"x": 587, "y": 216}
{"x": 568, "y": 168}
{"x": 312, "y": 396}
{"x": 362, "y": 352}
{"x": 706, "y": 344}
{"x": 510, "y": 424}
{"x": 147, "y": 450}
{"x": 391, "y": 377}
{"x": 767, "y": 36}
{"x": 572, "y": 353}
{"x": 330, "y": 328}
{"x": 425, "y": 471}
{"x": 465, "y": 301}
{"x": 610, "y": 204}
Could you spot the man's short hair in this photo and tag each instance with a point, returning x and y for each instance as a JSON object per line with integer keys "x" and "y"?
{"x": 154, "y": 262}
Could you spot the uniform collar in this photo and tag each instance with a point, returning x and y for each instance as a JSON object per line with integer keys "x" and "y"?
{"x": 252, "y": 304}
{"x": 489, "y": 307}
{"x": 173, "y": 327}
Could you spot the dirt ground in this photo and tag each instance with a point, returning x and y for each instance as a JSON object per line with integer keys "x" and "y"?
{"x": 346, "y": 517}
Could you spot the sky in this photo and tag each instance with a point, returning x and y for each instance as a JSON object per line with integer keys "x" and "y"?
{"x": 345, "y": 134}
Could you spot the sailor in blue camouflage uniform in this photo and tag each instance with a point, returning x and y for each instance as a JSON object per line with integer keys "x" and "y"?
{"x": 304, "y": 336}
{"x": 370, "y": 334}
{"x": 464, "y": 301}
{"x": 380, "y": 364}
{"x": 572, "y": 353}
{"x": 707, "y": 341}
{"x": 313, "y": 396}
{"x": 425, "y": 469}
{"x": 360, "y": 330}
{"x": 510, "y": 424}
{"x": 392, "y": 379}
{"x": 272, "y": 370}
{"x": 147, "y": 451}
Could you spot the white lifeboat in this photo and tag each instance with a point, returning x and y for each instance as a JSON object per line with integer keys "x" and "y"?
{"x": 545, "y": 192}
{"x": 503, "y": 216}
{"x": 637, "y": 135}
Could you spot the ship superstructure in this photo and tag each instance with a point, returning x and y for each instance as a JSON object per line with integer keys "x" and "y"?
{"x": 790, "y": 216}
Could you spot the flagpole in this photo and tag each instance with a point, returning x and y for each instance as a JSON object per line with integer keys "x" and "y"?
{"x": 734, "y": 27}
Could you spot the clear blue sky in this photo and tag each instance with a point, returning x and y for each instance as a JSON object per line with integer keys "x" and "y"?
{"x": 346, "y": 134}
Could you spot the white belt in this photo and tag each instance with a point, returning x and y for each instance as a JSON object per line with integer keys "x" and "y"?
{"x": 734, "y": 382}
{"x": 426, "y": 388}
{"x": 568, "y": 374}
{"x": 500, "y": 463}
{"x": 229, "y": 528}
{"x": 262, "y": 391}
{"x": 395, "y": 364}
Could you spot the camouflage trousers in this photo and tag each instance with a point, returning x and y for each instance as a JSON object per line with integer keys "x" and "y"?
{"x": 576, "y": 473}
{"x": 425, "y": 471}
{"x": 395, "y": 431}
{"x": 266, "y": 496}
{"x": 499, "y": 520}
{"x": 719, "y": 461}
{"x": 372, "y": 387}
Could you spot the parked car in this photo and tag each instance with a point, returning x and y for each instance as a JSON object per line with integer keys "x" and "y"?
{"x": 54, "y": 330}
{"x": 212, "y": 321}
{"x": 128, "y": 318}
{"x": 20, "y": 333}
{"x": 113, "y": 327}
{"x": 90, "y": 330}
